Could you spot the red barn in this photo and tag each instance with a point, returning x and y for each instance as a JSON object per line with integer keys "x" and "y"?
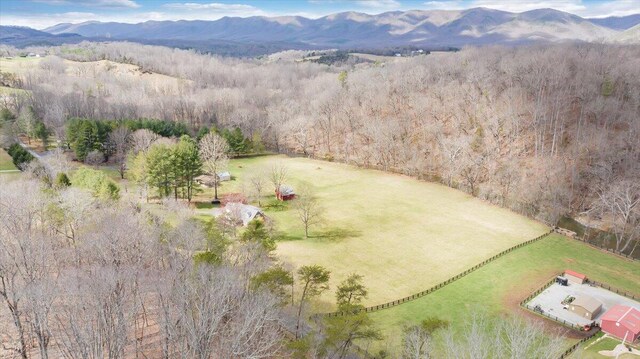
{"x": 285, "y": 193}
{"x": 622, "y": 322}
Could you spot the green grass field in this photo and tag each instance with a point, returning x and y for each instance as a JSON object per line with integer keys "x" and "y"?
{"x": 10, "y": 90}
{"x": 6, "y": 162}
{"x": 402, "y": 234}
{"x": 19, "y": 65}
{"x": 501, "y": 285}
{"x": 591, "y": 348}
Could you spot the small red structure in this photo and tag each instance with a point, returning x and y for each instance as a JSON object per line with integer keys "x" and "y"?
{"x": 233, "y": 198}
{"x": 285, "y": 193}
{"x": 575, "y": 277}
{"x": 622, "y": 322}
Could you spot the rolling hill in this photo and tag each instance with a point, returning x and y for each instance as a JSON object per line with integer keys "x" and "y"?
{"x": 258, "y": 35}
{"x": 24, "y": 36}
{"x": 349, "y": 29}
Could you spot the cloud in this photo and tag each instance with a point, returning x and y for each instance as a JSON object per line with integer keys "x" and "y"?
{"x": 175, "y": 11}
{"x": 445, "y": 5}
{"x": 572, "y": 6}
{"x": 379, "y": 4}
{"x": 211, "y": 6}
{"x": 41, "y": 21}
{"x": 94, "y": 3}
{"x": 612, "y": 8}
{"x": 109, "y": 10}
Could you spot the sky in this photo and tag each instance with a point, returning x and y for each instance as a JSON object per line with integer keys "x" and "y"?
{"x": 40, "y": 14}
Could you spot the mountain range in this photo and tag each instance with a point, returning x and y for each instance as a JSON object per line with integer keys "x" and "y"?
{"x": 433, "y": 28}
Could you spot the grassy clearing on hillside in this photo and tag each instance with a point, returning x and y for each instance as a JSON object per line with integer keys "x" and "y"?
{"x": 10, "y": 91}
{"x": 402, "y": 234}
{"x": 502, "y": 284}
{"x": 6, "y": 163}
{"x": 18, "y": 65}
{"x": 124, "y": 72}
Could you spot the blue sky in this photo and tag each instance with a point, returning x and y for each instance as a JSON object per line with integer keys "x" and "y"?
{"x": 43, "y": 13}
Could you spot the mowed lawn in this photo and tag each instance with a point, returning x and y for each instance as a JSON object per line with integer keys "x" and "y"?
{"x": 499, "y": 286}
{"x": 402, "y": 234}
{"x": 6, "y": 163}
{"x": 591, "y": 348}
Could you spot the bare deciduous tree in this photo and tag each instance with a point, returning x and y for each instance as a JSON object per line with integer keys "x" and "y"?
{"x": 620, "y": 206}
{"x": 508, "y": 338}
{"x": 308, "y": 208}
{"x": 278, "y": 175}
{"x": 257, "y": 183}
{"x": 417, "y": 344}
{"x": 141, "y": 140}
{"x": 119, "y": 144}
{"x": 214, "y": 154}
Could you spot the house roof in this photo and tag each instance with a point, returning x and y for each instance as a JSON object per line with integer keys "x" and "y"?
{"x": 588, "y": 303}
{"x": 245, "y": 212}
{"x": 224, "y": 174}
{"x": 627, "y": 316}
{"x": 575, "y": 274}
{"x": 286, "y": 190}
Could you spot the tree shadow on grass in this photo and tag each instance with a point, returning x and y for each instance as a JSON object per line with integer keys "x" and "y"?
{"x": 326, "y": 235}
{"x": 282, "y": 237}
{"x": 335, "y": 234}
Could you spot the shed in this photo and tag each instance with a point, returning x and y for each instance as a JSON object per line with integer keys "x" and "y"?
{"x": 205, "y": 180}
{"x": 622, "y": 322}
{"x": 224, "y": 176}
{"x": 285, "y": 193}
{"x": 575, "y": 277}
{"x": 585, "y": 306}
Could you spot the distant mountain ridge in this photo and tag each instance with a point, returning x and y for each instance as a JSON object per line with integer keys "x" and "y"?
{"x": 433, "y": 28}
{"x": 618, "y": 23}
{"x": 20, "y": 36}
{"x": 353, "y": 29}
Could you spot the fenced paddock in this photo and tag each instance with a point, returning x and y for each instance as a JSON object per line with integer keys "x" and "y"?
{"x": 439, "y": 285}
{"x": 404, "y": 235}
{"x": 549, "y": 299}
{"x": 500, "y": 286}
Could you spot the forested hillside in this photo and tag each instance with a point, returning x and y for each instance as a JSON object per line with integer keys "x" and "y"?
{"x": 543, "y": 130}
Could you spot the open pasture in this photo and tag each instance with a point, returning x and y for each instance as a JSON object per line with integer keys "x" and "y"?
{"x": 402, "y": 234}
{"x": 499, "y": 287}
{"x": 6, "y": 163}
{"x": 19, "y": 65}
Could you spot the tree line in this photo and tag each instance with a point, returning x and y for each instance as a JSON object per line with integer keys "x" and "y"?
{"x": 546, "y": 130}
{"x": 86, "y": 276}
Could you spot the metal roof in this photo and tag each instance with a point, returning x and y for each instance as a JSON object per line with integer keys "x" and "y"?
{"x": 245, "y": 212}
{"x": 286, "y": 190}
{"x": 575, "y": 274}
{"x": 588, "y": 303}
{"x": 627, "y": 316}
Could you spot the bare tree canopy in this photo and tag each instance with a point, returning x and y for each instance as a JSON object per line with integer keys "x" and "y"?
{"x": 79, "y": 278}
{"x": 214, "y": 154}
{"x": 533, "y": 128}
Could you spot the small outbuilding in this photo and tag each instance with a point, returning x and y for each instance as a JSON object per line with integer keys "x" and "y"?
{"x": 205, "y": 180}
{"x": 224, "y": 176}
{"x": 285, "y": 193}
{"x": 575, "y": 277}
{"x": 622, "y": 322}
{"x": 586, "y": 307}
